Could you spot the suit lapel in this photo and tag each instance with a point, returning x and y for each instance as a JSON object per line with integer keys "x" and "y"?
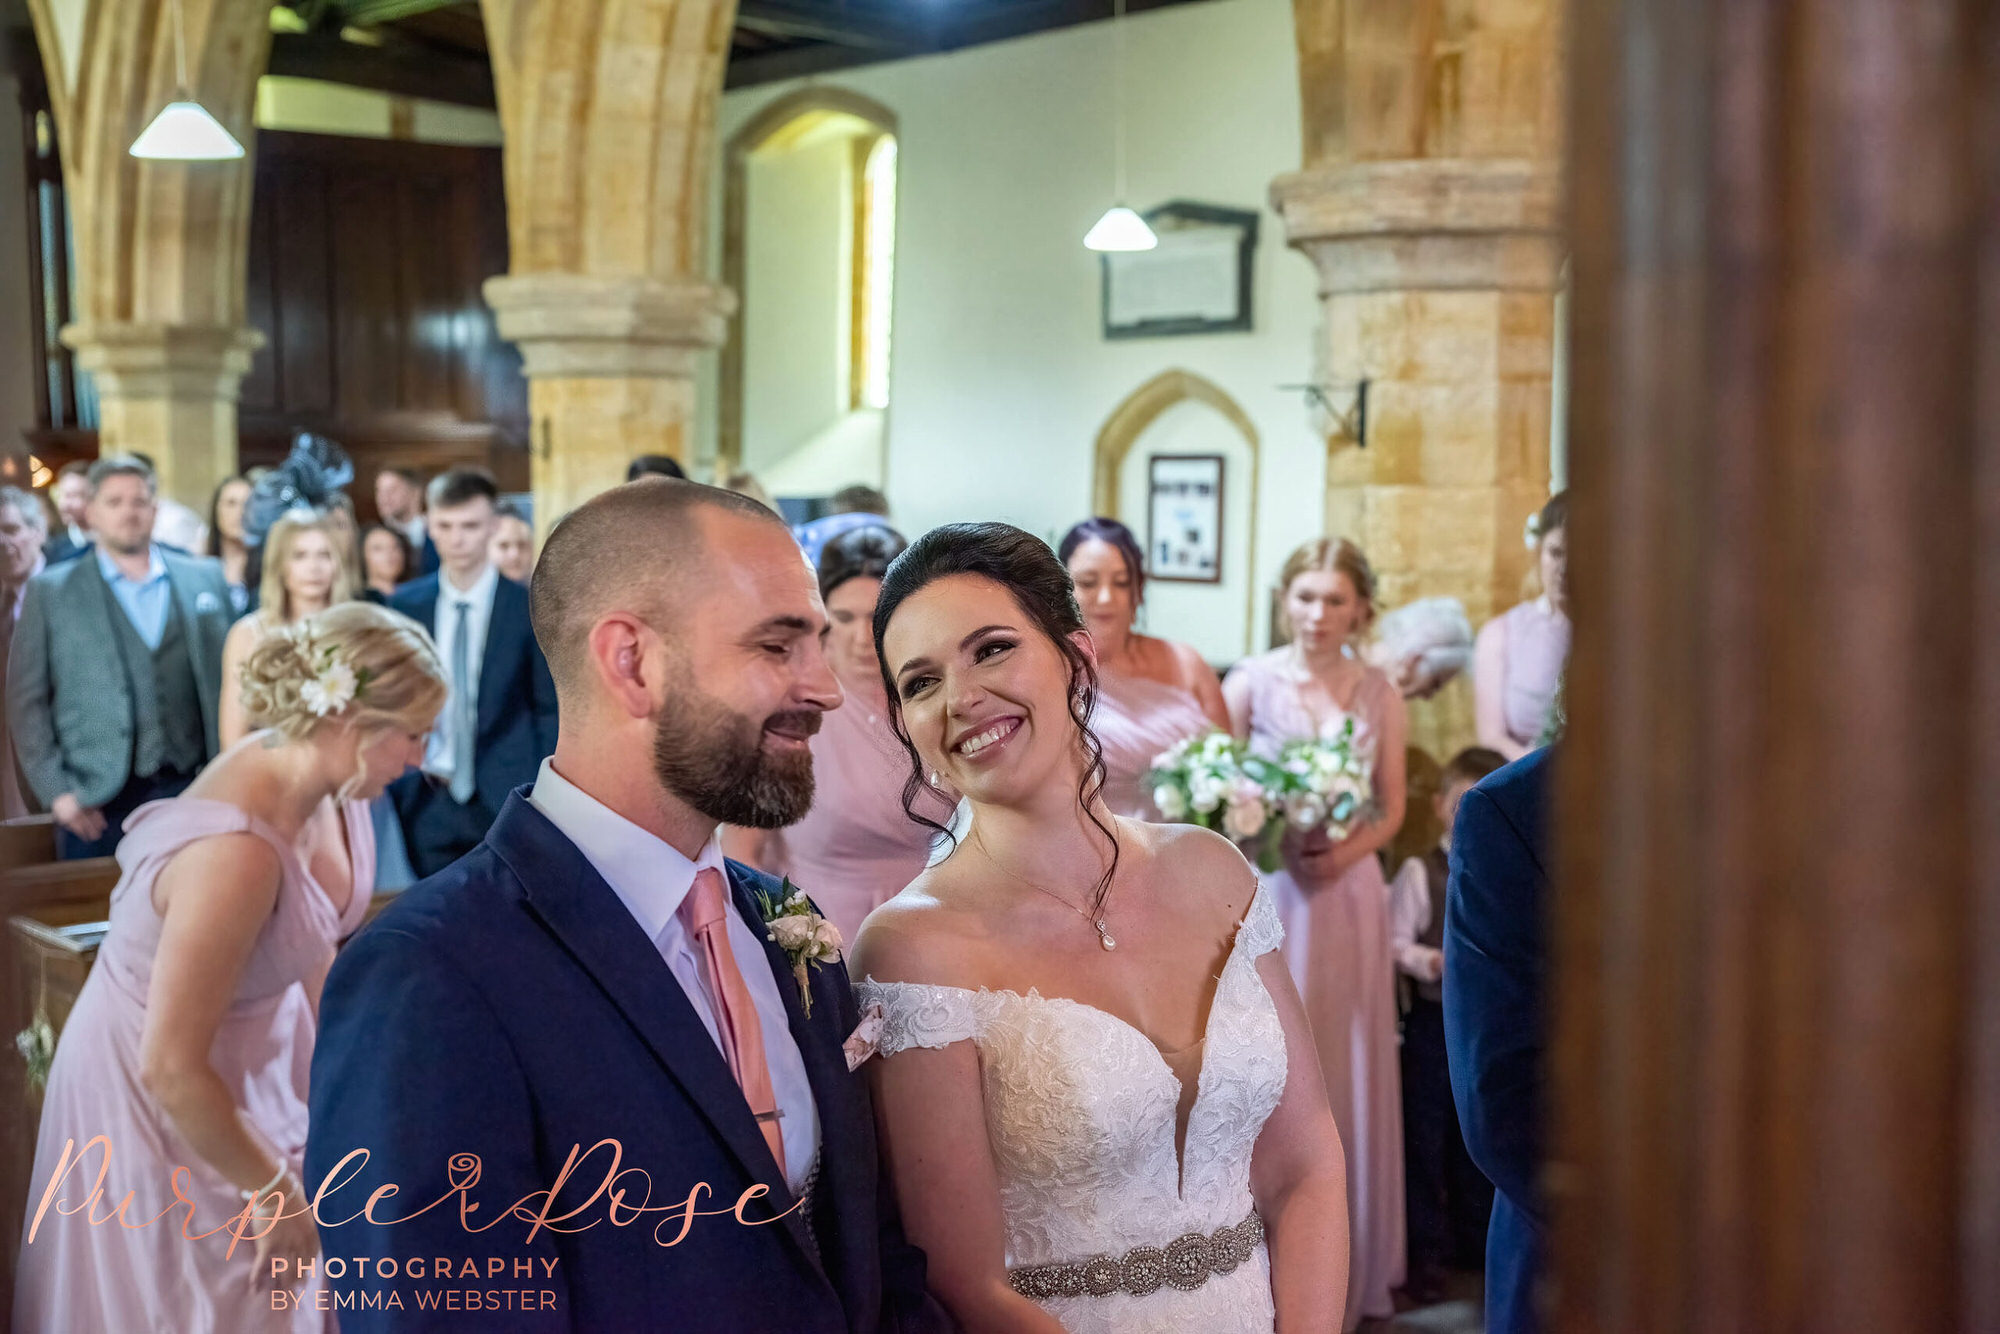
{"x": 833, "y": 1086}
{"x": 185, "y": 597}
{"x": 503, "y": 623}
{"x": 572, "y": 900}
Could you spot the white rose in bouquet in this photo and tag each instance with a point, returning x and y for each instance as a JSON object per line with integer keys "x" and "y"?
{"x": 1171, "y": 804}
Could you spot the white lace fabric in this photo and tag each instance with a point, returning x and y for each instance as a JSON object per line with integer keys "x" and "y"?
{"x": 1081, "y": 1112}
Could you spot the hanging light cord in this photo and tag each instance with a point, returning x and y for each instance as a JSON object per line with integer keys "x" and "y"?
{"x": 1118, "y": 99}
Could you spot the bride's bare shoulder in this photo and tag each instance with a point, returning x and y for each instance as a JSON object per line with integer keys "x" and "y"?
{"x": 1197, "y": 868}
{"x": 917, "y": 936}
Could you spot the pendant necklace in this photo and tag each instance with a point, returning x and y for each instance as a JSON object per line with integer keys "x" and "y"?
{"x": 1104, "y": 936}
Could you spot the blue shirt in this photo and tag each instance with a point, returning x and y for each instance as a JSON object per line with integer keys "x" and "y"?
{"x": 144, "y": 600}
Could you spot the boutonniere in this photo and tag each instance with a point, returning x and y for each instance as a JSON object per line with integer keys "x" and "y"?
{"x": 807, "y": 939}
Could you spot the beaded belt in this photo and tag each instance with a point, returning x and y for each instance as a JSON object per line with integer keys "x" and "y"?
{"x": 1184, "y": 1263}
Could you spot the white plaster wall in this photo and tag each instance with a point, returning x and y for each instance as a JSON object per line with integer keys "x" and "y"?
{"x": 1000, "y": 375}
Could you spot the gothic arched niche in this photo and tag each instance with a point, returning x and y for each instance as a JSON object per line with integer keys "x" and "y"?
{"x": 1166, "y": 409}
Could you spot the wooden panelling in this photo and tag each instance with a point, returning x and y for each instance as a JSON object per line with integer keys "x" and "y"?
{"x": 366, "y": 259}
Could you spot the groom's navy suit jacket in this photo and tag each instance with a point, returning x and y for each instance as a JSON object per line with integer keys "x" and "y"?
{"x": 1494, "y": 962}
{"x": 511, "y": 1008}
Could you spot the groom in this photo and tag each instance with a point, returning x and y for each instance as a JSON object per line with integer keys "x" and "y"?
{"x": 588, "y": 1003}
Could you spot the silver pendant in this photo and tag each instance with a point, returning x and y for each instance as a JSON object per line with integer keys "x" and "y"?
{"x": 1104, "y": 935}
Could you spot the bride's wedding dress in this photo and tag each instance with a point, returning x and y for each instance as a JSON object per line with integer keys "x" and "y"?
{"x": 1106, "y": 1227}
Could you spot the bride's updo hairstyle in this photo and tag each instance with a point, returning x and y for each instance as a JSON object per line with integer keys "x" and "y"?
{"x": 356, "y": 663}
{"x": 1040, "y": 585}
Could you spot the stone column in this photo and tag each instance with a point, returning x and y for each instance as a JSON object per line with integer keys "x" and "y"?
{"x": 161, "y": 247}
{"x": 609, "y": 113}
{"x": 1429, "y": 204}
{"x": 1776, "y": 917}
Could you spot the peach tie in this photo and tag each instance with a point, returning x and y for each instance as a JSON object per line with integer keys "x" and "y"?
{"x": 707, "y": 914}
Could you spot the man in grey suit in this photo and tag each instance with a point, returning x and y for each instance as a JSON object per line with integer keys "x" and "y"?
{"x": 115, "y": 673}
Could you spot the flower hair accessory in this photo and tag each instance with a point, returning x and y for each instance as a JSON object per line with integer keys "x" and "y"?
{"x": 334, "y": 684}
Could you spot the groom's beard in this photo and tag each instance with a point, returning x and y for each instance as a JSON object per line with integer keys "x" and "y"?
{"x": 715, "y": 761}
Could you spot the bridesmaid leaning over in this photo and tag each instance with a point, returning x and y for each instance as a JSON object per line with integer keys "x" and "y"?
{"x": 1332, "y": 896}
{"x": 189, "y": 1043}
{"x": 1520, "y": 653}
{"x": 1152, "y": 692}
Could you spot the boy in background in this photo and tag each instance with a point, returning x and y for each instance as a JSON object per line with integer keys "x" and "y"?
{"x": 1448, "y": 1198}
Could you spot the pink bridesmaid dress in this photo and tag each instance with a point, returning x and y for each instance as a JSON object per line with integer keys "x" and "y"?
{"x": 1135, "y": 721}
{"x": 1338, "y": 949}
{"x": 1537, "y": 649}
{"x": 856, "y": 849}
{"x": 74, "y": 1276}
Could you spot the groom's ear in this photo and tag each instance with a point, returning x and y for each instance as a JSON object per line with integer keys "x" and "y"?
{"x": 618, "y": 644}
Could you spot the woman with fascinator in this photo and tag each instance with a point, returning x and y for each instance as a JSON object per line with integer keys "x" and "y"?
{"x": 180, "y": 1078}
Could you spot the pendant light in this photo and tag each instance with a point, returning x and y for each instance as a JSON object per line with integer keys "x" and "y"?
{"x": 184, "y": 131}
{"x": 1120, "y": 228}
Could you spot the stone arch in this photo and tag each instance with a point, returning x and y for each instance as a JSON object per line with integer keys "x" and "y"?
{"x": 753, "y": 134}
{"x": 1128, "y": 422}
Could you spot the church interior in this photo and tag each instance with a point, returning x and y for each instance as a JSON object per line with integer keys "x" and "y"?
{"x": 1724, "y": 276}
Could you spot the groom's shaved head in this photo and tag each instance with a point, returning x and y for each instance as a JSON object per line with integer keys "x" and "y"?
{"x": 639, "y": 548}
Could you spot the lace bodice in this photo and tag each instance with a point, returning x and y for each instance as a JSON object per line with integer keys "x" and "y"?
{"x": 1081, "y": 1112}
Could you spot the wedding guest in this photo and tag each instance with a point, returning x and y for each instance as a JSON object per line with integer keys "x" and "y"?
{"x": 855, "y": 847}
{"x": 501, "y": 721}
{"x": 1151, "y": 692}
{"x": 399, "y": 502}
{"x": 513, "y": 547}
{"x": 1332, "y": 895}
{"x": 849, "y": 508}
{"x": 1422, "y": 646}
{"x": 189, "y": 1042}
{"x": 1449, "y": 1201}
{"x": 71, "y": 492}
{"x": 175, "y": 526}
{"x": 1520, "y": 653}
{"x": 24, "y": 527}
{"x": 1495, "y": 962}
{"x": 303, "y": 576}
{"x": 346, "y": 531}
{"x": 655, "y": 465}
{"x": 225, "y": 538}
{"x": 115, "y": 670}
{"x": 387, "y": 562}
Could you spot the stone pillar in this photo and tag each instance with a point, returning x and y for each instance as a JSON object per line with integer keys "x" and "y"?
{"x": 1776, "y": 918}
{"x": 609, "y": 113}
{"x": 1430, "y": 206}
{"x": 161, "y": 247}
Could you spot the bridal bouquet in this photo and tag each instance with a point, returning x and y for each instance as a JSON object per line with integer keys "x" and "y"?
{"x": 1216, "y": 782}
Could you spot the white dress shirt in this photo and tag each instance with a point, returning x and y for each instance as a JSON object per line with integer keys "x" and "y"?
{"x": 651, "y": 878}
{"x": 444, "y": 630}
{"x": 416, "y": 532}
{"x": 1410, "y": 917}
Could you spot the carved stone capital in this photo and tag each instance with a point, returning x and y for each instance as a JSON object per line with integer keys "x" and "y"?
{"x": 1426, "y": 224}
{"x": 170, "y": 361}
{"x": 578, "y": 326}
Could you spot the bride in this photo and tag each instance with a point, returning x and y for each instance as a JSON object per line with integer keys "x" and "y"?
{"x": 1098, "y": 1095}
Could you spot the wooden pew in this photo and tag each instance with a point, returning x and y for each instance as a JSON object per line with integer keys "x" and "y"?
{"x": 29, "y": 840}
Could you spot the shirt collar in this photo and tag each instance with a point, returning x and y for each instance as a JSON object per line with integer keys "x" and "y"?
{"x": 156, "y": 568}
{"x": 481, "y": 592}
{"x": 649, "y": 875}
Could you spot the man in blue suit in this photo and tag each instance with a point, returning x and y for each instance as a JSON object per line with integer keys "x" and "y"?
{"x": 1494, "y": 960}
{"x": 595, "y": 983}
{"x": 500, "y": 721}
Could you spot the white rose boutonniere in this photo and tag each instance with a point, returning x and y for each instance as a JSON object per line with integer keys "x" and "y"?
{"x": 807, "y": 939}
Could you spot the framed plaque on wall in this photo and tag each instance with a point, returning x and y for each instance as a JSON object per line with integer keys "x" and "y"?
{"x": 1184, "y": 518}
{"x": 1195, "y": 281}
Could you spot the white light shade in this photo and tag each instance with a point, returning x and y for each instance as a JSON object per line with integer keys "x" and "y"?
{"x": 185, "y": 132}
{"x": 1121, "y": 229}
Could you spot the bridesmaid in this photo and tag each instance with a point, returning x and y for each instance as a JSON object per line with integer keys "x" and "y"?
{"x": 303, "y": 575}
{"x": 189, "y": 1043}
{"x": 856, "y": 848}
{"x": 1519, "y": 656}
{"x": 1152, "y": 692}
{"x": 1332, "y": 896}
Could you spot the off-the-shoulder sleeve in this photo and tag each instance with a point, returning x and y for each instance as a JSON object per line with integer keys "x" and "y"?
{"x": 916, "y": 1014}
{"x": 1262, "y": 931}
